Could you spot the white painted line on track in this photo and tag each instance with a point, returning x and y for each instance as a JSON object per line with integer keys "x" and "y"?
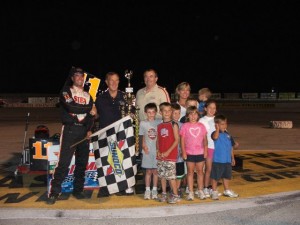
{"x": 160, "y": 211}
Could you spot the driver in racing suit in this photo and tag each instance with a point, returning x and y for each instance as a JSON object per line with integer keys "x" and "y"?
{"x": 77, "y": 119}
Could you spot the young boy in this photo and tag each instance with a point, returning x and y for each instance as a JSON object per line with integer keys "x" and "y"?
{"x": 148, "y": 131}
{"x": 204, "y": 95}
{"x": 180, "y": 164}
{"x": 223, "y": 158}
{"x": 167, "y": 152}
{"x": 189, "y": 102}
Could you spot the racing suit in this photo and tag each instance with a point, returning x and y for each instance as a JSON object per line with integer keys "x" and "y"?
{"x": 75, "y": 105}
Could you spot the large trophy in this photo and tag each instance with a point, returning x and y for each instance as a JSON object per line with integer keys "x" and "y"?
{"x": 129, "y": 108}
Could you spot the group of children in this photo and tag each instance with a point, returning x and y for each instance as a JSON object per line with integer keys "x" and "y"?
{"x": 175, "y": 148}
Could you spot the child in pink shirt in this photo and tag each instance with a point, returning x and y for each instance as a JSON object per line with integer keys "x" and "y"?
{"x": 193, "y": 141}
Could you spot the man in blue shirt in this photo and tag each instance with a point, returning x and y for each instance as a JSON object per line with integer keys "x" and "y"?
{"x": 109, "y": 102}
{"x": 108, "y": 106}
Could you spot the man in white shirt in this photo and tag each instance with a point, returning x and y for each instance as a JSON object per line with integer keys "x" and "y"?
{"x": 151, "y": 93}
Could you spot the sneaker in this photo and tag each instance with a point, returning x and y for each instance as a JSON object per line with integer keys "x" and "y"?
{"x": 214, "y": 195}
{"x": 147, "y": 195}
{"x": 210, "y": 190}
{"x": 190, "y": 197}
{"x": 187, "y": 190}
{"x": 206, "y": 192}
{"x": 52, "y": 199}
{"x": 121, "y": 193}
{"x": 180, "y": 194}
{"x": 154, "y": 194}
{"x": 80, "y": 195}
{"x": 230, "y": 193}
{"x": 163, "y": 198}
{"x": 173, "y": 199}
{"x": 129, "y": 191}
{"x": 201, "y": 195}
{"x": 196, "y": 192}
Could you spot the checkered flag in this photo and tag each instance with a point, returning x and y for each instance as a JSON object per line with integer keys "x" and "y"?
{"x": 114, "y": 150}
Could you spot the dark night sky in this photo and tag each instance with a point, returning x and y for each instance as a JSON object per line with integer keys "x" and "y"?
{"x": 205, "y": 44}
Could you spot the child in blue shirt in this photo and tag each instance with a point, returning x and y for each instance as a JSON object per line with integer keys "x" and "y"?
{"x": 223, "y": 158}
{"x": 203, "y": 95}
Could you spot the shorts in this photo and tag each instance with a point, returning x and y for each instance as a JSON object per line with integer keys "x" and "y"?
{"x": 210, "y": 153}
{"x": 149, "y": 161}
{"x": 221, "y": 170}
{"x": 195, "y": 158}
{"x": 180, "y": 171}
{"x": 166, "y": 169}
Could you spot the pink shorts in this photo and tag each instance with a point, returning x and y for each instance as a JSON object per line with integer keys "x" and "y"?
{"x": 210, "y": 153}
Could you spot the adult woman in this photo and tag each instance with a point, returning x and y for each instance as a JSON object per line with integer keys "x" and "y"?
{"x": 182, "y": 93}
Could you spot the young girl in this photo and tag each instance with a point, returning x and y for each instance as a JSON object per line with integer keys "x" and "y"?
{"x": 194, "y": 150}
{"x": 208, "y": 121}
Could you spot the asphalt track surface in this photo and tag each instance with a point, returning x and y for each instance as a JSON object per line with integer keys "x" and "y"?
{"x": 269, "y": 171}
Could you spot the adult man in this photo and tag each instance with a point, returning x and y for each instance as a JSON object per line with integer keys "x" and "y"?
{"x": 108, "y": 108}
{"x": 77, "y": 119}
{"x": 151, "y": 93}
{"x": 108, "y": 103}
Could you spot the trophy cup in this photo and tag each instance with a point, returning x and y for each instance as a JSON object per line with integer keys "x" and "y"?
{"x": 129, "y": 96}
{"x": 129, "y": 108}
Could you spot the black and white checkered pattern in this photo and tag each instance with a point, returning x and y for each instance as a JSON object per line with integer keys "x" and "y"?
{"x": 118, "y": 132}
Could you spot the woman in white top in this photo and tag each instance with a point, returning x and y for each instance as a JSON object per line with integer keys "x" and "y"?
{"x": 183, "y": 91}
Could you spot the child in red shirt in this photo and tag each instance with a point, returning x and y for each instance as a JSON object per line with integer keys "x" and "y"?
{"x": 167, "y": 144}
